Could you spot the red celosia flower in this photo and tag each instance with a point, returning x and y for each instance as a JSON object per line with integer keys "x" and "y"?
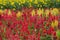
{"x": 32, "y": 37}
{"x": 0, "y": 17}
{"x": 24, "y": 27}
{"x": 0, "y": 38}
{"x": 0, "y": 23}
{"x": 51, "y": 29}
{"x": 16, "y": 27}
{"x": 44, "y": 31}
{"x": 54, "y": 33}
{"x": 8, "y": 32}
{"x": 38, "y": 36}
{"x": 58, "y": 25}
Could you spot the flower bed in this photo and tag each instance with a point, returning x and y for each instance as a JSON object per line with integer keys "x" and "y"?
{"x": 30, "y": 24}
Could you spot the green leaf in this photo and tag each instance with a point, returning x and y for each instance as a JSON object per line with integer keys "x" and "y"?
{"x": 58, "y": 33}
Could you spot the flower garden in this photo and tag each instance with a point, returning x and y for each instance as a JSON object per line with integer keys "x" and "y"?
{"x": 29, "y": 20}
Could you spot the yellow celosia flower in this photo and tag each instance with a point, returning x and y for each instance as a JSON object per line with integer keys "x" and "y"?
{"x": 33, "y": 12}
{"x": 39, "y": 12}
{"x": 52, "y": 24}
{"x": 55, "y": 23}
{"x": 55, "y": 11}
{"x": 18, "y": 14}
{"x": 9, "y": 12}
{"x": 47, "y": 12}
{"x": 4, "y": 11}
{"x": 1, "y": 11}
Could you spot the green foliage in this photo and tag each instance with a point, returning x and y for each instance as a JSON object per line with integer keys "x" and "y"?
{"x": 58, "y": 33}
{"x": 46, "y": 38}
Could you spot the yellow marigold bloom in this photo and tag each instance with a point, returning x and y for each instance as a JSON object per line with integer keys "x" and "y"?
{"x": 54, "y": 23}
{"x": 33, "y": 12}
{"x": 55, "y": 11}
{"x": 51, "y": 10}
{"x": 18, "y": 14}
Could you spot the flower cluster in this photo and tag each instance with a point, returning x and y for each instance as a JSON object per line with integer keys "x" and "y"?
{"x": 30, "y": 24}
